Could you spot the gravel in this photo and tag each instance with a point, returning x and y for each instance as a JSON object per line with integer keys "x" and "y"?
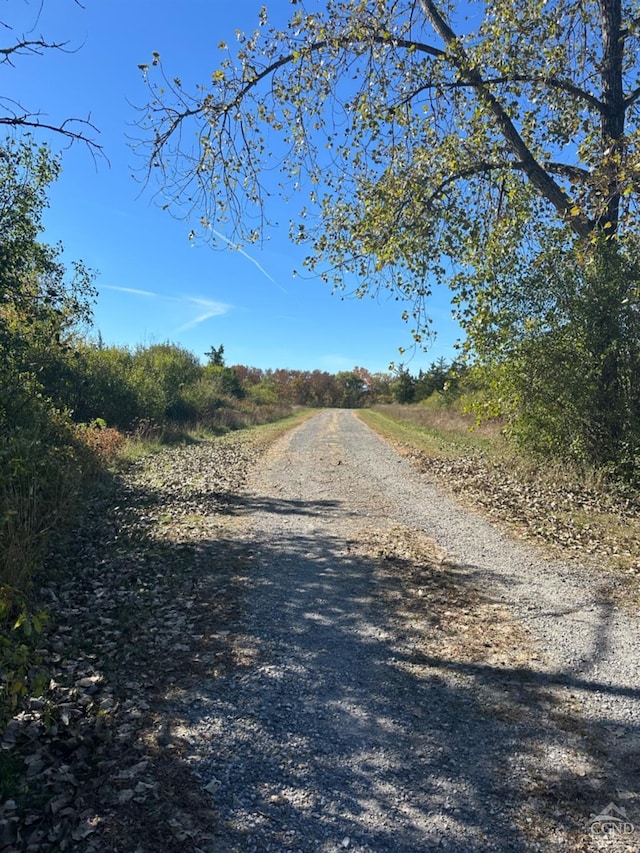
{"x": 408, "y": 676}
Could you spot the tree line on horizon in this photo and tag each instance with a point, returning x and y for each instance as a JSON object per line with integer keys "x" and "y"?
{"x": 494, "y": 153}
{"x": 65, "y": 398}
{"x": 166, "y": 383}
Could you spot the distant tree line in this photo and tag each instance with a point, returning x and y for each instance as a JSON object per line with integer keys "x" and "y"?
{"x": 165, "y": 382}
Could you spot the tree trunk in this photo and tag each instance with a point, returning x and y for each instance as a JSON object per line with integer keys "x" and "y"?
{"x": 613, "y": 112}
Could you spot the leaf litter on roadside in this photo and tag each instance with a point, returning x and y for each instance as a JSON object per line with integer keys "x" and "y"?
{"x": 453, "y": 629}
{"x": 584, "y": 521}
{"x": 139, "y": 597}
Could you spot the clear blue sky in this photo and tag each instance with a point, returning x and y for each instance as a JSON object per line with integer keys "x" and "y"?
{"x": 153, "y": 285}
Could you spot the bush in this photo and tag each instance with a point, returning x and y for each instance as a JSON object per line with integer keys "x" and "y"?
{"x": 20, "y": 669}
{"x": 41, "y": 474}
{"x": 567, "y": 374}
{"x": 101, "y": 441}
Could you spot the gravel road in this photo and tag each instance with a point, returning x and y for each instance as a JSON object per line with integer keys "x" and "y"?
{"x": 409, "y": 677}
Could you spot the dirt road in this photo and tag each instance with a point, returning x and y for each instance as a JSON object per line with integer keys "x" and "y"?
{"x": 408, "y": 678}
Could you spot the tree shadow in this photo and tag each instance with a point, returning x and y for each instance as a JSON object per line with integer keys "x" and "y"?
{"x": 335, "y": 729}
{"x": 304, "y": 706}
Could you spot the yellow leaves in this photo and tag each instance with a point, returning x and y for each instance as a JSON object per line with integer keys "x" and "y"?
{"x": 218, "y": 75}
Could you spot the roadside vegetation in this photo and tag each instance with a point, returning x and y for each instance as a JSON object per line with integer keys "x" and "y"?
{"x": 75, "y": 411}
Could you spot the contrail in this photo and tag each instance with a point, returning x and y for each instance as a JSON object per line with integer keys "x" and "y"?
{"x": 248, "y": 257}
{"x": 133, "y": 290}
{"x": 214, "y": 309}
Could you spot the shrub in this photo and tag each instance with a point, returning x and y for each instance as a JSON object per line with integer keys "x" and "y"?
{"x": 100, "y": 440}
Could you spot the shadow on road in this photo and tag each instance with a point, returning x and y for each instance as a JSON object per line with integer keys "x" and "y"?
{"x": 338, "y": 728}
{"x": 315, "y": 703}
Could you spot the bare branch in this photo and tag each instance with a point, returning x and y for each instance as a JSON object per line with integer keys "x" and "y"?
{"x": 69, "y": 128}
{"x": 30, "y": 47}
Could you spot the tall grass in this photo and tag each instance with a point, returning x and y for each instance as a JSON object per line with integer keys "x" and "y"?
{"x": 439, "y": 426}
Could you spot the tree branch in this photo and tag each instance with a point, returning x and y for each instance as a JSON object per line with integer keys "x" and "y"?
{"x": 632, "y": 98}
{"x": 315, "y": 47}
{"x": 16, "y": 115}
{"x": 65, "y": 129}
{"x": 269, "y": 70}
{"x": 552, "y": 82}
{"x": 574, "y": 173}
{"x": 538, "y": 176}
{"x": 26, "y": 46}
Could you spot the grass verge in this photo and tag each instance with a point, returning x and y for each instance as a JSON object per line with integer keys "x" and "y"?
{"x": 436, "y": 430}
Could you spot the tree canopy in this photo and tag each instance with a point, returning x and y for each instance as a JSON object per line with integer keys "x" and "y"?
{"x": 420, "y": 138}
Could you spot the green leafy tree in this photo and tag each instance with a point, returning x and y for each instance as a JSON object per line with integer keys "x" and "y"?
{"x": 160, "y": 374}
{"x": 350, "y": 388}
{"x": 567, "y": 374}
{"x": 40, "y": 308}
{"x": 441, "y": 377}
{"x": 215, "y": 357}
{"x": 224, "y": 380}
{"x": 105, "y": 388}
{"x": 40, "y": 305}
{"x": 431, "y": 143}
{"x": 380, "y": 388}
{"x": 416, "y": 141}
{"x": 403, "y": 387}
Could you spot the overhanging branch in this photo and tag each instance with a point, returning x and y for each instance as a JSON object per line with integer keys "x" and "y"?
{"x": 72, "y": 129}
{"x": 211, "y": 109}
{"x": 574, "y": 173}
{"x": 33, "y": 47}
{"x": 537, "y": 174}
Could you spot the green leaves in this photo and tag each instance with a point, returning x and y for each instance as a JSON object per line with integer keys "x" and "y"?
{"x": 20, "y": 627}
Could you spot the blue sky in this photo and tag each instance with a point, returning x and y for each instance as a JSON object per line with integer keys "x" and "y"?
{"x": 153, "y": 285}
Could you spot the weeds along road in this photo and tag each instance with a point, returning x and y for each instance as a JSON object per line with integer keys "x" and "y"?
{"x": 407, "y": 677}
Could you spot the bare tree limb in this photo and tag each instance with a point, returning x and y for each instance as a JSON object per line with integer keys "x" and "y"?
{"x": 16, "y": 116}
{"x": 32, "y": 47}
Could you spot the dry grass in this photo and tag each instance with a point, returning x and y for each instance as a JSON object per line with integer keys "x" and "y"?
{"x": 436, "y": 429}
